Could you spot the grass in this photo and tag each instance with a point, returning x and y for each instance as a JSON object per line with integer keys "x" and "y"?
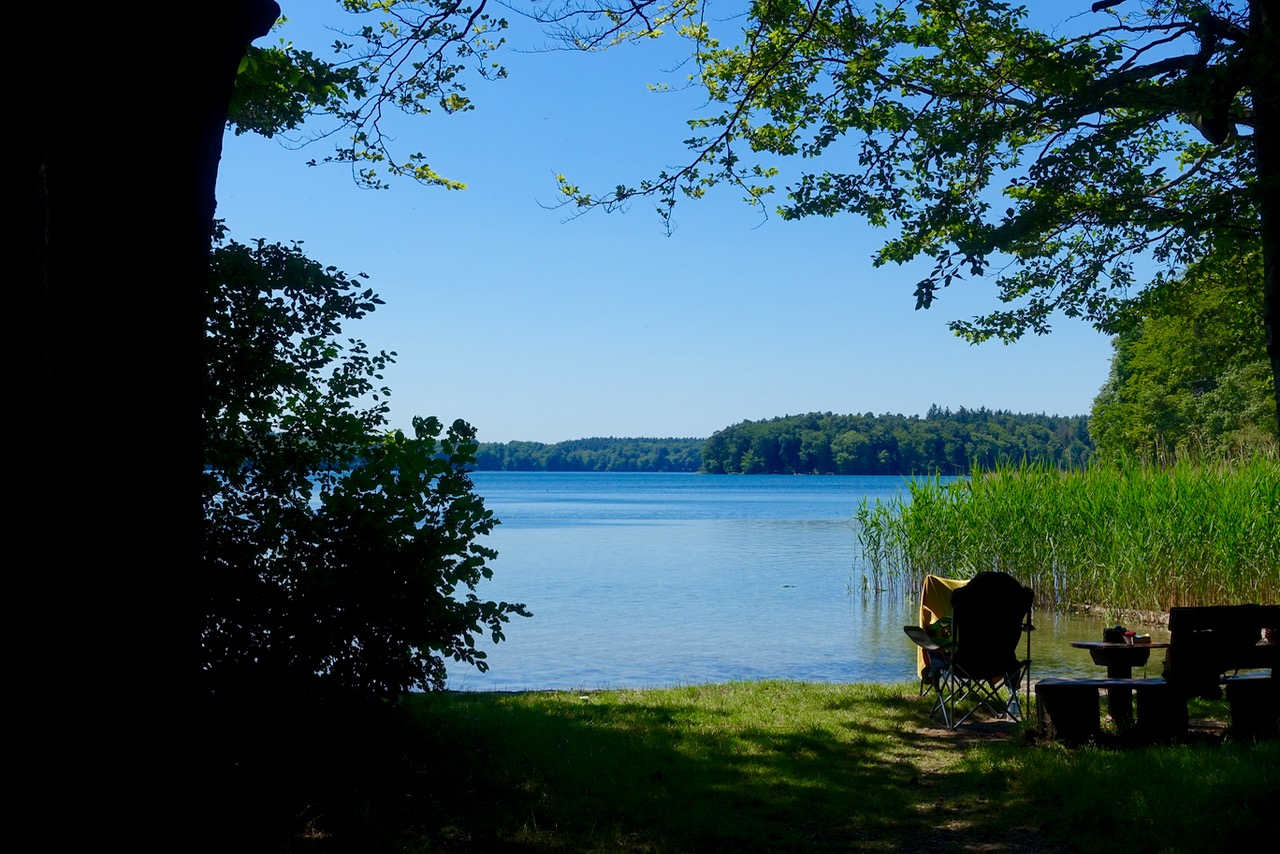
{"x": 769, "y": 766}
{"x": 1127, "y": 537}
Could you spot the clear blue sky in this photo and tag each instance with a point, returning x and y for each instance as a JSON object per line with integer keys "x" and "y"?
{"x": 532, "y": 327}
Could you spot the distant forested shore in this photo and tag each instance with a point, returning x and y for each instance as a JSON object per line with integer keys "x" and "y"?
{"x": 598, "y": 454}
{"x": 942, "y": 441}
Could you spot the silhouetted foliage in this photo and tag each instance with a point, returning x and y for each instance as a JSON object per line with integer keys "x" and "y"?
{"x": 340, "y": 559}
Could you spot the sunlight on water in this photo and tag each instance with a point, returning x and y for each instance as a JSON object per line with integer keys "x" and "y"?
{"x": 648, "y": 580}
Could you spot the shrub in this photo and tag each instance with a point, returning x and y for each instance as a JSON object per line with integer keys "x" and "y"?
{"x": 340, "y": 558}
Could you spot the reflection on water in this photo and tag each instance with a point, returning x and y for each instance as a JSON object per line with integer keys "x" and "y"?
{"x": 657, "y": 580}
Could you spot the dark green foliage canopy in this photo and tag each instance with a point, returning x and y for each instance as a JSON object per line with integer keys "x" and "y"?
{"x": 1190, "y": 372}
{"x": 340, "y": 559}
{"x": 597, "y": 454}
{"x": 943, "y": 442}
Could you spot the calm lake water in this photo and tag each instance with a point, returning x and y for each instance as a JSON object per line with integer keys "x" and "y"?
{"x": 653, "y": 580}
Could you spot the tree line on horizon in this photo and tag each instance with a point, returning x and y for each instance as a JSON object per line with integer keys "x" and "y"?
{"x": 822, "y": 443}
{"x": 595, "y": 454}
{"x": 943, "y": 441}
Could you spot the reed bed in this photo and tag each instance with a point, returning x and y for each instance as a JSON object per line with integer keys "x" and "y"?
{"x": 1125, "y": 536}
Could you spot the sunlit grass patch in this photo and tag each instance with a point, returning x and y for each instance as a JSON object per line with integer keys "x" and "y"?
{"x": 763, "y": 767}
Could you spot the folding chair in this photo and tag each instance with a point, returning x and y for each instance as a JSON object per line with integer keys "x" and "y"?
{"x": 980, "y": 668}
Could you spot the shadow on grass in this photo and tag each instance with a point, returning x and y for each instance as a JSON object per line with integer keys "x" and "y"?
{"x": 765, "y": 766}
{"x": 669, "y": 775}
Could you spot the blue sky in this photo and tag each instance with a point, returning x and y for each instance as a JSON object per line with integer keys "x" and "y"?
{"x": 536, "y": 327}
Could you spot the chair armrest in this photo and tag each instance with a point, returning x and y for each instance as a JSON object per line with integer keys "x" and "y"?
{"x": 921, "y": 637}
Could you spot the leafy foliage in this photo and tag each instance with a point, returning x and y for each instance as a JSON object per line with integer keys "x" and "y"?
{"x": 943, "y": 441}
{"x": 340, "y": 558}
{"x": 1063, "y": 163}
{"x": 410, "y": 59}
{"x": 639, "y": 455}
{"x": 1190, "y": 375}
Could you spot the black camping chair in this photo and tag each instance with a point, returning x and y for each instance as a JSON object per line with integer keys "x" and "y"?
{"x": 980, "y": 667}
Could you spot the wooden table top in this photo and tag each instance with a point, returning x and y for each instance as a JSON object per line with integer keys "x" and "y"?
{"x": 1109, "y": 645}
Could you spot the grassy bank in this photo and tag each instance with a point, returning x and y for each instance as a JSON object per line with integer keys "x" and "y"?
{"x": 1128, "y": 537}
{"x": 749, "y": 767}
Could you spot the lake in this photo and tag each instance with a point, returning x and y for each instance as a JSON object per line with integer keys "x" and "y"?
{"x": 656, "y": 580}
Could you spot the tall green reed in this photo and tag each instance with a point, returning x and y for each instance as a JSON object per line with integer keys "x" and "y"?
{"x": 1124, "y": 535}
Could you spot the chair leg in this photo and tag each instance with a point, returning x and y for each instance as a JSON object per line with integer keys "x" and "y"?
{"x": 946, "y": 690}
{"x": 1013, "y": 708}
{"x": 991, "y": 696}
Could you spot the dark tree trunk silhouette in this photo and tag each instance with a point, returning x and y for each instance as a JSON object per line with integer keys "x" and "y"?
{"x": 1264, "y": 32}
{"x": 118, "y": 175}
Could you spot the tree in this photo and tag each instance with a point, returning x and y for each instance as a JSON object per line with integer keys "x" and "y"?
{"x": 117, "y": 199}
{"x": 415, "y": 56}
{"x": 290, "y": 598}
{"x": 894, "y": 444}
{"x": 340, "y": 557}
{"x": 1080, "y": 169}
{"x": 1190, "y": 373}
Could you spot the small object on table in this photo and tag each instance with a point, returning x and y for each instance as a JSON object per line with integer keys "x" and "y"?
{"x": 1115, "y": 635}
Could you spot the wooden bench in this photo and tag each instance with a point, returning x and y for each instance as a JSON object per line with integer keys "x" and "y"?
{"x": 1206, "y": 646}
{"x": 1071, "y": 706}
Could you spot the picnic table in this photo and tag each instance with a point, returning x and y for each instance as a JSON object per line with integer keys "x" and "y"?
{"x": 1209, "y": 648}
{"x": 1120, "y": 659}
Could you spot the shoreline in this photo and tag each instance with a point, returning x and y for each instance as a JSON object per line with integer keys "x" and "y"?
{"x": 1149, "y": 618}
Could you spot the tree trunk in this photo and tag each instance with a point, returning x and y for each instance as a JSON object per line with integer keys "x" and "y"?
{"x": 1264, "y": 85}
{"x": 118, "y": 186}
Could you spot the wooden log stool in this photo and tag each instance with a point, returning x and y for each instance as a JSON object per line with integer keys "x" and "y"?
{"x": 1255, "y": 705}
